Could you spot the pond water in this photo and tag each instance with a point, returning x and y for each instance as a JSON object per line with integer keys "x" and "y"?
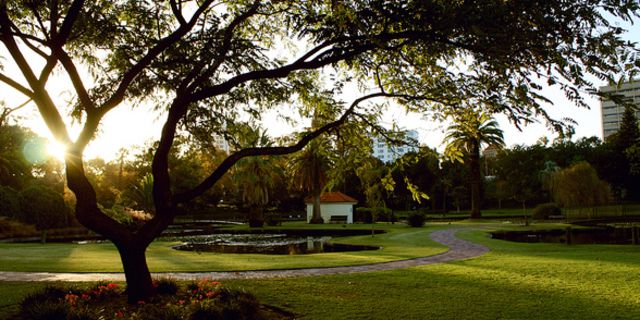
{"x": 265, "y": 244}
{"x": 608, "y": 235}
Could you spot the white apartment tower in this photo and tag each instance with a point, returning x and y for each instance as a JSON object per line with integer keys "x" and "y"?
{"x": 389, "y": 153}
{"x": 612, "y": 113}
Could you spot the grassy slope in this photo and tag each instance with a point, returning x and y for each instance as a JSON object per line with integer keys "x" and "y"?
{"x": 400, "y": 242}
{"x": 514, "y": 281}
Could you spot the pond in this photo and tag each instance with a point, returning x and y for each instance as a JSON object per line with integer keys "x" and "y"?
{"x": 604, "y": 235}
{"x": 265, "y": 244}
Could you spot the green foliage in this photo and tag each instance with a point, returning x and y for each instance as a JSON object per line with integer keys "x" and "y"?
{"x": 545, "y": 210}
{"x": 9, "y": 202}
{"x": 204, "y": 299}
{"x": 43, "y": 208}
{"x": 416, "y": 219}
{"x": 45, "y": 304}
{"x": 166, "y": 286}
{"x": 369, "y": 215}
{"x": 579, "y": 186}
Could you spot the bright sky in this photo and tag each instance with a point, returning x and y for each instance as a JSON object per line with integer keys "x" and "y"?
{"x": 124, "y": 127}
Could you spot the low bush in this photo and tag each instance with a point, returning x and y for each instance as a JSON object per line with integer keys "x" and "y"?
{"x": 367, "y": 215}
{"x": 545, "y": 210}
{"x": 166, "y": 286}
{"x": 416, "y": 219}
{"x": 9, "y": 202}
{"x": 202, "y": 299}
{"x": 363, "y": 215}
{"x": 12, "y": 228}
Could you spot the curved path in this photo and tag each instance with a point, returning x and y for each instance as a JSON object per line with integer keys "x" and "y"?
{"x": 458, "y": 250}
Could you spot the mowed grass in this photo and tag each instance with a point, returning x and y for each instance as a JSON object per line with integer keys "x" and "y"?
{"x": 513, "y": 281}
{"x": 400, "y": 242}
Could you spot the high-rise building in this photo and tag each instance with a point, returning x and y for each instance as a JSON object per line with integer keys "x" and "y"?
{"x": 389, "y": 153}
{"x": 612, "y": 113}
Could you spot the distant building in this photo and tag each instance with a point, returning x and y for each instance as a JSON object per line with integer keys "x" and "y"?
{"x": 334, "y": 207}
{"x": 612, "y": 113}
{"x": 389, "y": 153}
{"x": 221, "y": 143}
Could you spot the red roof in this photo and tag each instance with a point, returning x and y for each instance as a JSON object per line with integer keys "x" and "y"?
{"x": 332, "y": 197}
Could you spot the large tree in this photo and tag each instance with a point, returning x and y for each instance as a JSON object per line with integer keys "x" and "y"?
{"x": 213, "y": 63}
{"x": 469, "y": 132}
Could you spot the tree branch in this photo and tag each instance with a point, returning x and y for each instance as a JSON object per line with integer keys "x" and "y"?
{"x": 248, "y": 152}
{"x": 177, "y": 12}
{"x": 12, "y": 83}
{"x": 161, "y": 45}
{"x": 45, "y": 104}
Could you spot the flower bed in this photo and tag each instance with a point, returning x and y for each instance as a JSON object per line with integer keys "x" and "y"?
{"x": 202, "y": 299}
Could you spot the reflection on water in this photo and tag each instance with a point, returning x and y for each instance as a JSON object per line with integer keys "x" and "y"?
{"x": 265, "y": 244}
{"x": 610, "y": 235}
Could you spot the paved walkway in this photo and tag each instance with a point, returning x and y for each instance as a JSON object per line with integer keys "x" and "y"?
{"x": 458, "y": 250}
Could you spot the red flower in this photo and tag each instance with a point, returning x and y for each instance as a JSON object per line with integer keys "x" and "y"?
{"x": 119, "y": 314}
{"x": 141, "y": 302}
{"x": 181, "y": 302}
{"x": 112, "y": 286}
{"x": 85, "y": 296}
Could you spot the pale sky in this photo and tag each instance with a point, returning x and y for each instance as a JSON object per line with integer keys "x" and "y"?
{"x": 124, "y": 127}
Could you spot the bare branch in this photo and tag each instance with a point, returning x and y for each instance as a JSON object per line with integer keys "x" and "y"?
{"x": 65, "y": 29}
{"x": 12, "y": 83}
{"x": 47, "y": 108}
{"x": 7, "y": 111}
{"x": 177, "y": 12}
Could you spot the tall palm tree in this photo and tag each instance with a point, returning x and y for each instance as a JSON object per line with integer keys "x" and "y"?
{"x": 469, "y": 132}
{"x": 309, "y": 171}
{"x": 256, "y": 177}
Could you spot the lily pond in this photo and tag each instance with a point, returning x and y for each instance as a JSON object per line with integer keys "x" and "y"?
{"x": 282, "y": 244}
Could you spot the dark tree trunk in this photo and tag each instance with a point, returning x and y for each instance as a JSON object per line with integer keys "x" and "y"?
{"x": 474, "y": 168}
{"x": 136, "y": 272}
{"x": 316, "y": 217}
{"x": 131, "y": 248}
{"x": 256, "y": 217}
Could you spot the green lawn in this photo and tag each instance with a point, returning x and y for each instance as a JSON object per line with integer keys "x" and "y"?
{"x": 513, "y": 281}
{"x": 400, "y": 242}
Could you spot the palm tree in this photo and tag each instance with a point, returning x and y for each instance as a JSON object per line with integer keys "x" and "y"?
{"x": 469, "y": 132}
{"x": 309, "y": 170}
{"x": 256, "y": 178}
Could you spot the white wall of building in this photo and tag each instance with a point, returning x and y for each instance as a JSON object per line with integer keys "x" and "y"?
{"x": 388, "y": 153}
{"x": 612, "y": 113}
{"x": 332, "y": 209}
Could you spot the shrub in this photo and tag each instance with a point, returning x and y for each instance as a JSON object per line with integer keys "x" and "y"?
{"x": 45, "y": 304}
{"x": 11, "y": 228}
{"x": 416, "y": 219}
{"x": 204, "y": 299}
{"x": 237, "y": 304}
{"x": 543, "y": 211}
{"x": 43, "y": 207}
{"x": 166, "y": 286}
{"x": 382, "y": 214}
{"x": 363, "y": 215}
{"x": 9, "y": 202}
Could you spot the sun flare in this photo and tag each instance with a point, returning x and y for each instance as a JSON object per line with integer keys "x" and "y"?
{"x": 56, "y": 150}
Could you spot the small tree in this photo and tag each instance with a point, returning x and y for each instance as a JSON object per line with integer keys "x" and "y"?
{"x": 579, "y": 186}
{"x": 470, "y": 131}
{"x": 43, "y": 208}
